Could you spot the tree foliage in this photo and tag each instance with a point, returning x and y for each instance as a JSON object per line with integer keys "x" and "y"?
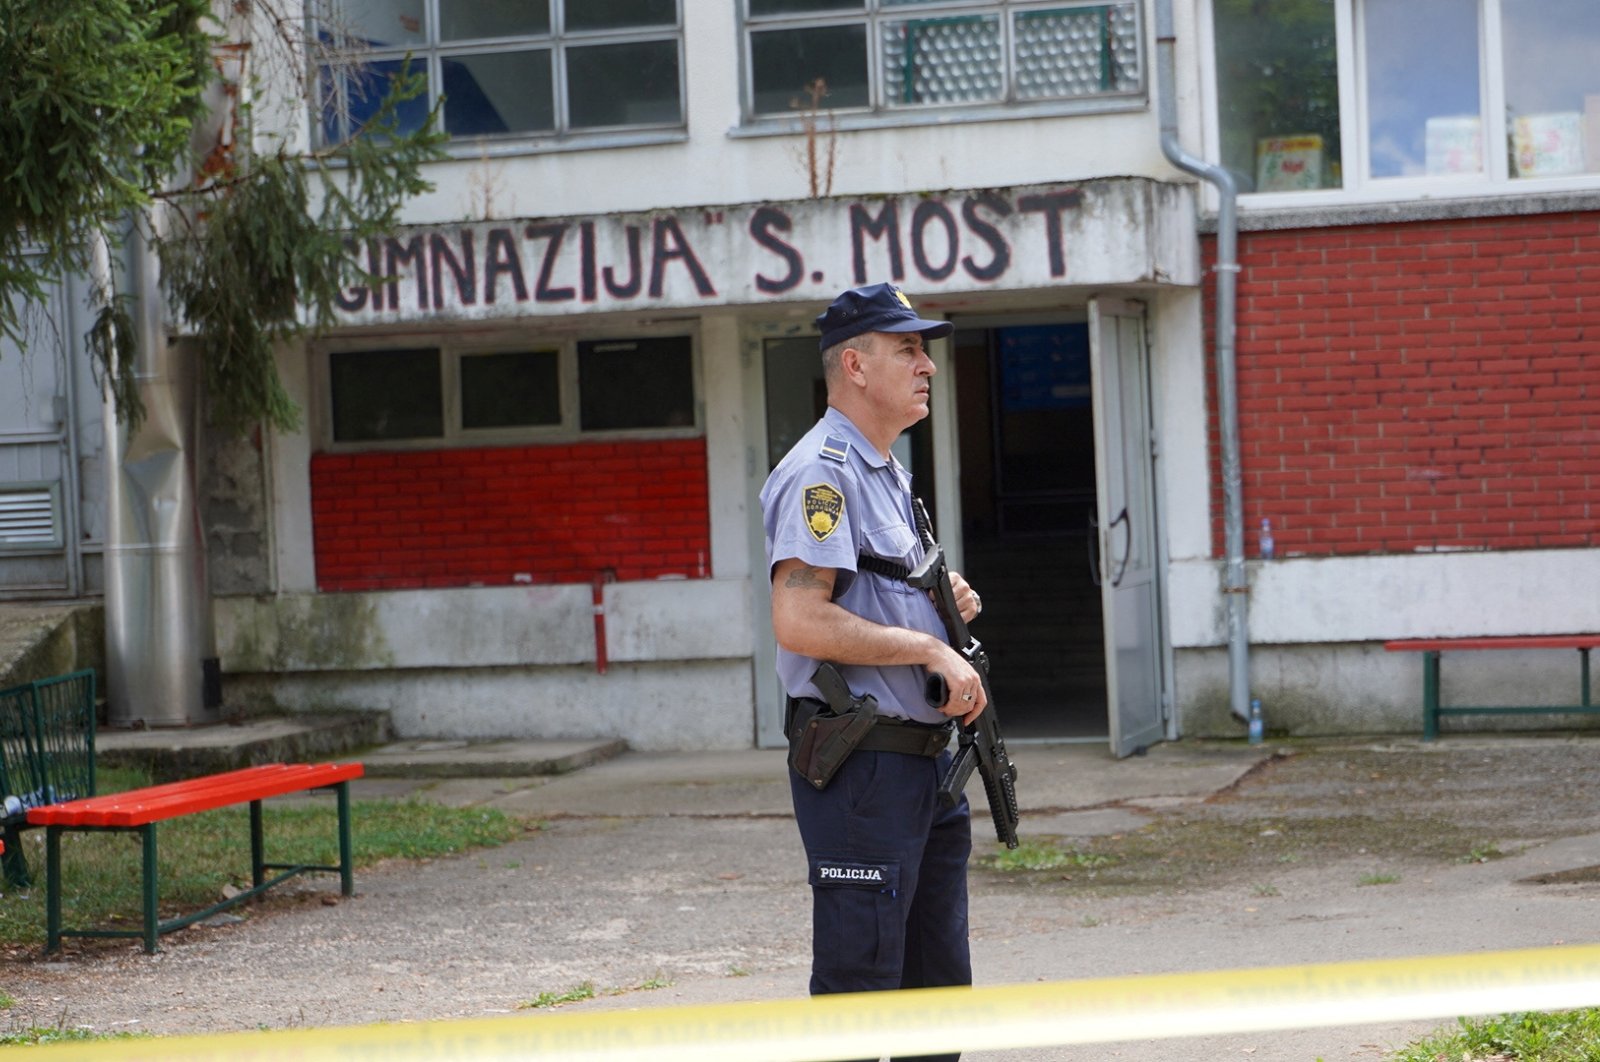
{"x": 101, "y": 96}
{"x": 261, "y": 253}
{"x": 253, "y": 249}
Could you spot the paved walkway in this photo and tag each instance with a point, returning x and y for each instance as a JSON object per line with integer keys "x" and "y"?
{"x": 684, "y": 869}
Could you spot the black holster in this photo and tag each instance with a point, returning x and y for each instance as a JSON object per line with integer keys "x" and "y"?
{"x": 822, "y": 735}
{"x": 821, "y": 739}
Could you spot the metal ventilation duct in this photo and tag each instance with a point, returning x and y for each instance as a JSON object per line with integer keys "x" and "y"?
{"x": 159, "y": 637}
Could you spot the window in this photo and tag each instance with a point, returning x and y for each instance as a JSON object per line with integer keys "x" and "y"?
{"x": 441, "y": 395}
{"x": 385, "y": 394}
{"x": 1382, "y": 96}
{"x": 521, "y": 390}
{"x": 635, "y": 383}
{"x": 507, "y": 68}
{"x": 902, "y": 55}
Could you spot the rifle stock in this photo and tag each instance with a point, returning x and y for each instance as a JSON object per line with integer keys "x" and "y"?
{"x": 979, "y": 746}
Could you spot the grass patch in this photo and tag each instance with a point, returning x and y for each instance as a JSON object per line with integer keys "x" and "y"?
{"x": 50, "y": 1035}
{"x": 1045, "y": 855}
{"x": 575, "y": 994}
{"x": 200, "y": 855}
{"x": 1483, "y": 853}
{"x": 1379, "y": 879}
{"x": 581, "y": 992}
{"x": 1225, "y": 844}
{"x": 1564, "y": 1036}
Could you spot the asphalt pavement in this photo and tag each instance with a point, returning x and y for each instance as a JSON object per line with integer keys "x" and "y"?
{"x": 667, "y": 879}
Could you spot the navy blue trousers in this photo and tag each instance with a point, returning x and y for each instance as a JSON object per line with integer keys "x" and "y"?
{"x": 888, "y": 873}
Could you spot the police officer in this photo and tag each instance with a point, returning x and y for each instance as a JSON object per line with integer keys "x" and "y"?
{"x": 888, "y": 864}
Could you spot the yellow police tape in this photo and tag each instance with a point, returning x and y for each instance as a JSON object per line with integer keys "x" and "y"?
{"x": 939, "y": 1019}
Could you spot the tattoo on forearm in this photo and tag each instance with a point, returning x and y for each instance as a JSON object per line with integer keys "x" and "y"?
{"x": 805, "y": 578}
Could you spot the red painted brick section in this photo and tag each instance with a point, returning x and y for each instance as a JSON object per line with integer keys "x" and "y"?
{"x": 480, "y": 517}
{"x": 1420, "y": 386}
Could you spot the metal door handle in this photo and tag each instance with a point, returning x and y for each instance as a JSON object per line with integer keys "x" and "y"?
{"x": 1127, "y": 544}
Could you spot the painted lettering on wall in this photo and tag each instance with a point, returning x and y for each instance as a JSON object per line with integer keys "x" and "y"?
{"x": 759, "y": 253}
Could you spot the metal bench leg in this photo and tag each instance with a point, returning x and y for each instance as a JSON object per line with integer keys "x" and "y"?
{"x": 152, "y": 919}
{"x": 258, "y": 847}
{"x": 1430, "y": 695}
{"x": 347, "y": 877}
{"x": 1584, "y": 656}
{"x": 52, "y": 889}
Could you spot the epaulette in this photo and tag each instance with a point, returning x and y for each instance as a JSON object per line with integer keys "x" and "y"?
{"x": 835, "y": 448}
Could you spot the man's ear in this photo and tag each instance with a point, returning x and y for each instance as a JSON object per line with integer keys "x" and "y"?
{"x": 850, "y": 360}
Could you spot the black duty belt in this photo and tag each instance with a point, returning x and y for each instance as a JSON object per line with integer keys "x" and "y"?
{"x": 900, "y": 735}
{"x": 903, "y": 735}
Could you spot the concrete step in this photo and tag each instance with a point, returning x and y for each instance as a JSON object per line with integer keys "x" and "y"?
{"x": 172, "y": 753}
{"x": 40, "y": 640}
{"x": 436, "y": 758}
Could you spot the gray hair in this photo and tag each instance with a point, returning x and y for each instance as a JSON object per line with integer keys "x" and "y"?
{"x": 834, "y": 355}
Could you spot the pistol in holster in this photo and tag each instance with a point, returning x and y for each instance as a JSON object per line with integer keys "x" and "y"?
{"x": 822, "y": 735}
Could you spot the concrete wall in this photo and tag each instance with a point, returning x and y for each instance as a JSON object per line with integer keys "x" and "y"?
{"x": 1359, "y": 688}
{"x": 1317, "y": 626}
{"x": 504, "y": 661}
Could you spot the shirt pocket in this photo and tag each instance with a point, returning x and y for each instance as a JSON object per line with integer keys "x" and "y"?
{"x": 893, "y": 543}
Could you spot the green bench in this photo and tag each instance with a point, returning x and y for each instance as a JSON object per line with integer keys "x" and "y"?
{"x": 1432, "y": 648}
{"x": 46, "y": 755}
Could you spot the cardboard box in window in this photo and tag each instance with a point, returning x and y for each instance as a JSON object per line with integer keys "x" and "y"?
{"x": 1454, "y": 144}
{"x": 1288, "y": 163}
{"x": 1547, "y": 145}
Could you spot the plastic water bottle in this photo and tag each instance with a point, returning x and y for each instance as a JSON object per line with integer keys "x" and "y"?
{"x": 1268, "y": 546}
{"x": 1255, "y": 721}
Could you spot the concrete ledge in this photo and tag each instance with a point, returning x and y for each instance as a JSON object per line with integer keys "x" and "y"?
{"x": 429, "y": 758}
{"x": 171, "y": 754}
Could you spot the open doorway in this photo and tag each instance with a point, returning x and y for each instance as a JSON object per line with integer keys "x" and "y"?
{"x": 1027, "y": 448}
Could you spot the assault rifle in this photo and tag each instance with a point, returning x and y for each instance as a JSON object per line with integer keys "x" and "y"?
{"x": 979, "y": 745}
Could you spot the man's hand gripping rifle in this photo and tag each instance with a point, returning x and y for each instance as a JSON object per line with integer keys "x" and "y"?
{"x": 979, "y": 745}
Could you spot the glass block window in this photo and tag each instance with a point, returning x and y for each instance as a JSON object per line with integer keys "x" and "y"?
{"x": 506, "y": 68}
{"x": 885, "y": 55}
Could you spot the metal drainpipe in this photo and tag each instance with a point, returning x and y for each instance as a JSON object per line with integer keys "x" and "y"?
{"x": 1236, "y": 587}
{"x": 158, "y": 608}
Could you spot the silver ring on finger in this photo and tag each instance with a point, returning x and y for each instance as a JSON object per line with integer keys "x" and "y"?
{"x": 966, "y": 696}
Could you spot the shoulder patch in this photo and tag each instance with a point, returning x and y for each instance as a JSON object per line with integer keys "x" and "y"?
{"x": 835, "y": 448}
{"x": 823, "y": 507}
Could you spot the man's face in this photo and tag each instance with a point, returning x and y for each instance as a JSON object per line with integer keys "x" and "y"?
{"x": 897, "y": 370}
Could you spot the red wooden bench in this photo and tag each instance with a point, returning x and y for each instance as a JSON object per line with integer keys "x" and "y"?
{"x": 1431, "y": 648}
{"x": 141, "y": 809}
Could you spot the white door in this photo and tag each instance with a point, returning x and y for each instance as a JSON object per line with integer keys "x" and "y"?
{"x": 38, "y": 496}
{"x": 1130, "y": 590}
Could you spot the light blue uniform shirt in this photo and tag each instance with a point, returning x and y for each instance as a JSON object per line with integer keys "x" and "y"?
{"x": 832, "y": 498}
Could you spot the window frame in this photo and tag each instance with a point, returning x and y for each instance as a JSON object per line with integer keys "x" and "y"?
{"x": 452, "y": 349}
{"x": 879, "y": 115}
{"x": 1494, "y": 182}
{"x": 429, "y": 56}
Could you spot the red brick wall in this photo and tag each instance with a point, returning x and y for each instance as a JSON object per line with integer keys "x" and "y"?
{"x": 1420, "y": 386}
{"x": 437, "y": 518}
